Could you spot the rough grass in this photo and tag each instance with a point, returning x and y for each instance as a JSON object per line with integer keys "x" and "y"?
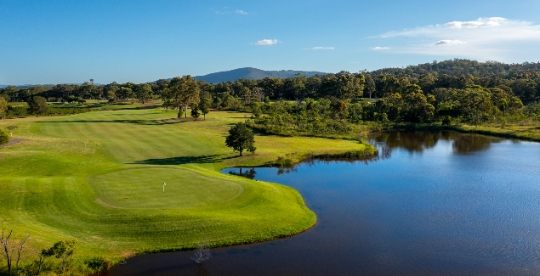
{"x": 98, "y": 177}
{"x": 527, "y": 129}
{"x": 524, "y": 129}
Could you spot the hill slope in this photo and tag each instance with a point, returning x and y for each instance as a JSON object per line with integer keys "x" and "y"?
{"x": 252, "y": 74}
{"x": 457, "y": 67}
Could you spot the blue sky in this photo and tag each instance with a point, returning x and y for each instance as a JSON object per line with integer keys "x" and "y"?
{"x": 139, "y": 41}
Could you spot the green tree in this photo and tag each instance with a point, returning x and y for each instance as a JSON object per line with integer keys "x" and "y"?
{"x": 355, "y": 113}
{"x": 4, "y": 137}
{"x": 143, "y": 92}
{"x": 111, "y": 93}
{"x": 3, "y": 107}
{"x": 38, "y": 105}
{"x": 183, "y": 92}
{"x": 62, "y": 250}
{"x": 476, "y": 105}
{"x": 504, "y": 100}
{"x": 369, "y": 87}
{"x": 240, "y": 138}
{"x": 427, "y": 82}
{"x": 205, "y": 103}
{"x": 195, "y": 112}
{"x": 416, "y": 107}
{"x": 125, "y": 93}
{"x": 339, "y": 109}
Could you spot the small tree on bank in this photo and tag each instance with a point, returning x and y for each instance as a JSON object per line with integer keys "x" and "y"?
{"x": 241, "y": 138}
{"x": 61, "y": 250}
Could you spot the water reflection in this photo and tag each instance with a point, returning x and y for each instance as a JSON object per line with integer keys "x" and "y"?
{"x": 418, "y": 142}
{"x": 412, "y": 142}
{"x": 387, "y": 142}
{"x": 469, "y": 143}
{"x": 248, "y": 174}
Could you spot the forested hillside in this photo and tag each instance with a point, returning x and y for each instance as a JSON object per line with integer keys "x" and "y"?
{"x": 461, "y": 67}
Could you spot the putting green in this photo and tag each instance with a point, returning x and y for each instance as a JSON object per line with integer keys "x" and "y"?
{"x": 143, "y": 188}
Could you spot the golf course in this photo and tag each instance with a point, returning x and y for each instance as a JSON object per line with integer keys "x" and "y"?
{"x": 98, "y": 178}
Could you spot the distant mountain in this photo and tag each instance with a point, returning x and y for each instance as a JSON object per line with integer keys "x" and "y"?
{"x": 253, "y": 74}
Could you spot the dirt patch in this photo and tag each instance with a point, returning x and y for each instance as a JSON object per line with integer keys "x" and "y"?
{"x": 11, "y": 142}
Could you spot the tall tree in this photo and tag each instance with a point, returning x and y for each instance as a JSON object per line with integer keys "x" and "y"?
{"x": 205, "y": 103}
{"x": 182, "y": 92}
{"x": 369, "y": 87}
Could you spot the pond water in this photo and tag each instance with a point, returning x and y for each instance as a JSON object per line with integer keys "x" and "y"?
{"x": 429, "y": 204}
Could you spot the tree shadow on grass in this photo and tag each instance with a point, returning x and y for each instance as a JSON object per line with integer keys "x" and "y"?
{"x": 179, "y": 160}
{"x": 135, "y": 122}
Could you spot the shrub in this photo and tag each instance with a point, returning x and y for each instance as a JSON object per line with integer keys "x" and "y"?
{"x": 98, "y": 264}
{"x": 4, "y": 137}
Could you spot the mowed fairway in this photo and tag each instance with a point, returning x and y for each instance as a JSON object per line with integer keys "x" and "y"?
{"x": 98, "y": 178}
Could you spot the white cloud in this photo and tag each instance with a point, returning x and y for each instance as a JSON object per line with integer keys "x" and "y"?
{"x": 240, "y": 12}
{"x": 449, "y": 42}
{"x": 320, "y": 48}
{"x": 478, "y": 23}
{"x": 266, "y": 42}
{"x": 493, "y": 38}
{"x": 378, "y": 48}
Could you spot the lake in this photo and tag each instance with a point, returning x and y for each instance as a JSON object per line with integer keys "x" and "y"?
{"x": 429, "y": 204}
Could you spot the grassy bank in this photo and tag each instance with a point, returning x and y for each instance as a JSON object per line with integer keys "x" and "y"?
{"x": 97, "y": 178}
{"x": 527, "y": 129}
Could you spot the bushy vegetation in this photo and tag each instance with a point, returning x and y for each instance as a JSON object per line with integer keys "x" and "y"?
{"x": 4, "y": 137}
{"x": 308, "y": 118}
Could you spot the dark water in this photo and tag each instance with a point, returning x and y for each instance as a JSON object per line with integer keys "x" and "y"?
{"x": 430, "y": 204}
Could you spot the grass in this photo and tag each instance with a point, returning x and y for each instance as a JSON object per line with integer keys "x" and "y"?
{"x": 97, "y": 178}
{"x": 524, "y": 128}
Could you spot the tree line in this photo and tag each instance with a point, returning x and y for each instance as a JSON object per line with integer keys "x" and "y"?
{"x": 469, "y": 90}
{"x": 523, "y": 80}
